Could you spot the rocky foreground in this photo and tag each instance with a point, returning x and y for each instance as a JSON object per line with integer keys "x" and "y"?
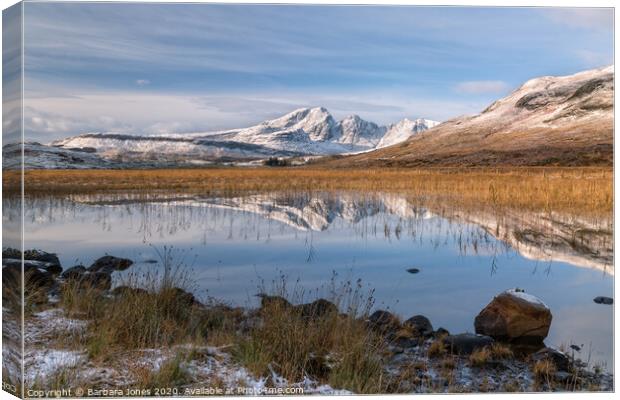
{"x": 83, "y": 332}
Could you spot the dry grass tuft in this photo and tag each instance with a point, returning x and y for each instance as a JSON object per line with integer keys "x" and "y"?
{"x": 480, "y": 357}
{"x": 437, "y": 349}
{"x": 544, "y": 371}
{"x": 334, "y": 348}
{"x": 501, "y": 351}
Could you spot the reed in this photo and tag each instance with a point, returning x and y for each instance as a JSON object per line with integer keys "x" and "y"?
{"x": 584, "y": 190}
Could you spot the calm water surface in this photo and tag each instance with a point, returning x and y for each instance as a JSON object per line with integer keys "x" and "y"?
{"x": 234, "y": 244}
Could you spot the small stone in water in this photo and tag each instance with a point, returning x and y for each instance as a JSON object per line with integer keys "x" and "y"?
{"x": 603, "y": 300}
{"x": 413, "y": 270}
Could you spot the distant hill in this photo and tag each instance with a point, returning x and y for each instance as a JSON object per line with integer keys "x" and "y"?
{"x": 300, "y": 133}
{"x": 565, "y": 120}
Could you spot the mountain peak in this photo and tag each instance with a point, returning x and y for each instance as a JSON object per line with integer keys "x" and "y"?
{"x": 304, "y": 131}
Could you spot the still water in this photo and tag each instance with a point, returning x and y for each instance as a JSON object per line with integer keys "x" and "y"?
{"x": 234, "y": 245}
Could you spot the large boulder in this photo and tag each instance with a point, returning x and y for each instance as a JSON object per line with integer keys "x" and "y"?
{"x": 109, "y": 264}
{"x": 466, "y": 343}
{"x": 516, "y": 317}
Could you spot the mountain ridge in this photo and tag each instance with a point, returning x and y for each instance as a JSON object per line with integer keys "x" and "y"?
{"x": 563, "y": 120}
{"x": 301, "y": 132}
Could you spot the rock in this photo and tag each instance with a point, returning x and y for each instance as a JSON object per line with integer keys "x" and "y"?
{"x": 420, "y": 324}
{"x": 10, "y": 252}
{"x": 466, "y": 343}
{"x": 413, "y": 270}
{"x": 74, "y": 272}
{"x": 128, "y": 290}
{"x": 516, "y": 317}
{"x": 109, "y": 264}
{"x": 317, "y": 309}
{"x": 184, "y": 297}
{"x": 52, "y": 268}
{"x": 384, "y": 321}
{"x": 277, "y": 302}
{"x": 405, "y": 338}
{"x": 575, "y": 347}
{"x": 562, "y": 376}
{"x": 96, "y": 280}
{"x": 441, "y": 332}
{"x": 38, "y": 255}
{"x": 603, "y": 300}
{"x": 558, "y": 358}
{"x": 38, "y": 283}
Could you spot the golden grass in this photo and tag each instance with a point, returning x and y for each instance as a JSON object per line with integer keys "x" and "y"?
{"x": 559, "y": 189}
{"x": 437, "y": 349}
{"x": 480, "y": 357}
{"x": 544, "y": 371}
{"x": 335, "y": 348}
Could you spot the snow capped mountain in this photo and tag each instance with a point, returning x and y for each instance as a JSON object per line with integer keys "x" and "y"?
{"x": 405, "y": 129}
{"x": 357, "y": 132}
{"x": 549, "y": 120}
{"x": 302, "y": 132}
{"x": 39, "y": 156}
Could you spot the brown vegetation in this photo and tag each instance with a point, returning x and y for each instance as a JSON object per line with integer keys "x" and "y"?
{"x": 579, "y": 190}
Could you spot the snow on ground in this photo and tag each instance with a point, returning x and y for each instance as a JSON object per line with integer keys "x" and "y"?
{"x": 42, "y": 365}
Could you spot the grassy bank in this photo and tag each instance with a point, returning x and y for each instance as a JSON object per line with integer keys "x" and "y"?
{"x": 331, "y": 342}
{"x": 579, "y": 190}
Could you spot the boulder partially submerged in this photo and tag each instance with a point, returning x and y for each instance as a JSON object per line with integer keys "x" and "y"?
{"x": 516, "y": 317}
{"x": 109, "y": 264}
{"x": 603, "y": 300}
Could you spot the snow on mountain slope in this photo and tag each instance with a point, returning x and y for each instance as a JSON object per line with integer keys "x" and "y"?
{"x": 305, "y": 131}
{"x": 40, "y": 156}
{"x": 405, "y": 129}
{"x": 550, "y": 120}
{"x": 359, "y": 133}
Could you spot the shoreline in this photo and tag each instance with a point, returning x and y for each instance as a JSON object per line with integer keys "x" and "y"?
{"x": 408, "y": 356}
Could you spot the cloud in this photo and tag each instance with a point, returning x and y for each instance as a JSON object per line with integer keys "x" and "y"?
{"x": 583, "y": 18}
{"x": 592, "y": 59}
{"x": 42, "y": 125}
{"x": 143, "y": 82}
{"x": 50, "y": 117}
{"x": 481, "y": 87}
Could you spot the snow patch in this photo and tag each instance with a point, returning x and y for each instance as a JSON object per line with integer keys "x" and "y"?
{"x": 526, "y": 297}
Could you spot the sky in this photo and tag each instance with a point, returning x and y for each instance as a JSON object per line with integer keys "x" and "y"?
{"x": 161, "y": 68}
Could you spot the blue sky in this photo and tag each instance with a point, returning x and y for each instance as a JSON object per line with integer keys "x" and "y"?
{"x": 155, "y": 68}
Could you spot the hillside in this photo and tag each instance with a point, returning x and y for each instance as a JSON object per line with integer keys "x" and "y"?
{"x": 302, "y": 132}
{"x": 564, "y": 120}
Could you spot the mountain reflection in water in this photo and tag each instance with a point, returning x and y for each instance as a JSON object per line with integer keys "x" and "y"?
{"x": 543, "y": 236}
{"x": 465, "y": 257}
